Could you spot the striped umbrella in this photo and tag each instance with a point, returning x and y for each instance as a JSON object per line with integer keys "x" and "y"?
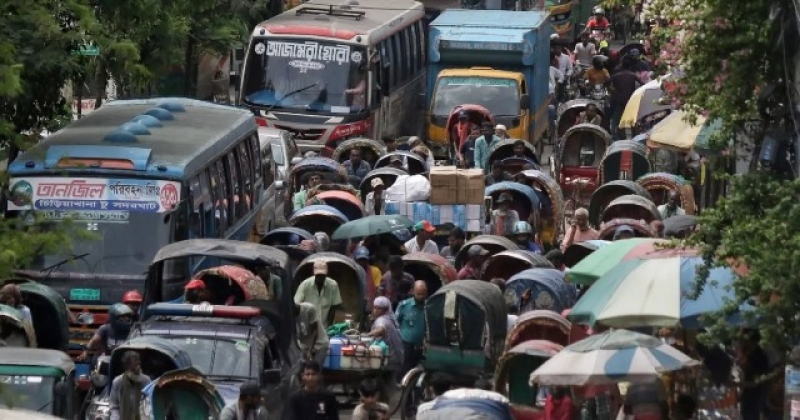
{"x": 655, "y": 292}
{"x": 589, "y": 269}
{"x": 609, "y": 358}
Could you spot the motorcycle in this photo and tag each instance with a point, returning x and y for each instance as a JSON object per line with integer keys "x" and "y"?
{"x": 598, "y": 35}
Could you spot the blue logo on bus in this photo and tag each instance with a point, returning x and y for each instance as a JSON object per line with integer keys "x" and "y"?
{"x": 21, "y": 193}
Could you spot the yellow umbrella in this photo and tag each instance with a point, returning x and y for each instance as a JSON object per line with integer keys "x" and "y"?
{"x": 643, "y": 102}
{"x": 674, "y": 132}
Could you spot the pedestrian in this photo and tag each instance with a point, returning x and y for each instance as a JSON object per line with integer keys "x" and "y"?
{"x": 483, "y": 144}
{"x": 460, "y": 130}
{"x": 422, "y": 242}
{"x": 126, "y": 389}
{"x": 247, "y": 406}
{"x": 385, "y": 328}
{"x": 370, "y": 407}
{"x": 396, "y": 284}
{"x": 322, "y": 292}
{"x": 312, "y": 401}
{"x": 501, "y": 131}
{"x": 311, "y": 336}
{"x": 411, "y": 317}
{"x": 10, "y": 295}
{"x": 623, "y": 83}
{"x": 579, "y": 229}
{"x": 362, "y": 258}
{"x": 455, "y": 240}
{"x": 390, "y": 143}
{"x": 476, "y": 257}
{"x": 558, "y": 405}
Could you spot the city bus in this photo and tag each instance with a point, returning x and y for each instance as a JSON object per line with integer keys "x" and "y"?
{"x": 329, "y": 70}
{"x": 128, "y": 179}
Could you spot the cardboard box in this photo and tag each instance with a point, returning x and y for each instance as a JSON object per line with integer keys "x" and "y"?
{"x": 471, "y": 186}
{"x": 444, "y": 185}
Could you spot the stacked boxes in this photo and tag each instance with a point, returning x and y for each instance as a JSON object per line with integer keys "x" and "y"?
{"x": 471, "y": 186}
{"x": 450, "y": 185}
{"x": 469, "y": 217}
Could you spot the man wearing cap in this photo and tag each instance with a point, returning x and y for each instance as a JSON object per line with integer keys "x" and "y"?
{"x": 472, "y": 269}
{"x": 425, "y": 154}
{"x": 422, "y": 242}
{"x": 322, "y": 292}
{"x": 501, "y": 131}
{"x": 195, "y": 292}
{"x": 482, "y": 146}
{"x": 503, "y": 217}
{"x": 247, "y": 406}
{"x": 623, "y": 232}
{"x": 375, "y": 202}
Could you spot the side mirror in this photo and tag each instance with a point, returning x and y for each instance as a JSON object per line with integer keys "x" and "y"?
{"x": 524, "y": 102}
{"x": 271, "y": 377}
{"x": 296, "y": 160}
{"x": 279, "y": 185}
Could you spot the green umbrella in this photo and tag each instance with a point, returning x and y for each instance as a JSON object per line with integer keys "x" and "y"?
{"x": 372, "y": 225}
{"x": 604, "y": 259}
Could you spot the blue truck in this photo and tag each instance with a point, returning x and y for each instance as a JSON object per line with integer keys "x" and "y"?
{"x": 488, "y": 60}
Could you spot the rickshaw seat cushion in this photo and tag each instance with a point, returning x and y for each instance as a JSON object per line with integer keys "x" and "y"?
{"x": 454, "y": 359}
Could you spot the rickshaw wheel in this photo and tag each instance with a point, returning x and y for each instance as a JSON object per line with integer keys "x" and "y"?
{"x": 410, "y": 398}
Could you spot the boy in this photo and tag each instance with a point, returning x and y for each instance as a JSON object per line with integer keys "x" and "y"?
{"x": 370, "y": 408}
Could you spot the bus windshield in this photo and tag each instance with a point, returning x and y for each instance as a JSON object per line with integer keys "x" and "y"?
{"x": 305, "y": 75}
{"x": 499, "y": 96}
{"x": 114, "y": 226}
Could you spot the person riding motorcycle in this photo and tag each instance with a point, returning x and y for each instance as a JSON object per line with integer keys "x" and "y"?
{"x": 133, "y": 299}
{"x": 111, "y": 334}
{"x": 584, "y": 51}
{"x": 523, "y": 237}
{"x": 596, "y": 75}
{"x": 598, "y": 21}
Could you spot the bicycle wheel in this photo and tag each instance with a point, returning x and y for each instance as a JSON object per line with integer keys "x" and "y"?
{"x": 410, "y": 396}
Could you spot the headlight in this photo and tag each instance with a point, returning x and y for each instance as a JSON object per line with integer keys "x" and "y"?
{"x": 98, "y": 410}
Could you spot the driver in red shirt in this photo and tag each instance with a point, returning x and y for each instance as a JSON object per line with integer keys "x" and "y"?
{"x": 599, "y": 20}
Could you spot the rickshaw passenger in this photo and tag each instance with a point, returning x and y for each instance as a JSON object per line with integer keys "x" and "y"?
{"x": 299, "y": 199}
{"x": 482, "y": 146}
{"x": 322, "y": 292}
{"x": 272, "y": 281}
{"x": 195, "y": 292}
{"x": 671, "y": 208}
{"x": 384, "y": 326}
{"x": 111, "y": 334}
{"x": 579, "y": 230}
{"x": 524, "y": 237}
{"x": 356, "y": 168}
{"x": 476, "y": 257}
{"x": 425, "y": 154}
{"x": 590, "y": 115}
{"x": 519, "y": 152}
{"x": 623, "y": 232}
{"x": 247, "y": 406}
{"x": 497, "y": 175}
{"x": 396, "y": 284}
{"x": 10, "y": 295}
{"x": 455, "y": 241}
{"x": 503, "y": 218}
{"x": 390, "y": 143}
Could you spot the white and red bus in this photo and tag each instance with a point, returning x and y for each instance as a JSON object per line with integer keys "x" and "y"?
{"x": 329, "y": 70}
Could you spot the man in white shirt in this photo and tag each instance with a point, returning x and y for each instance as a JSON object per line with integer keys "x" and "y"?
{"x": 671, "y": 208}
{"x": 422, "y": 242}
{"x": 585, "y": 51}
{"x": 375, "y": 203}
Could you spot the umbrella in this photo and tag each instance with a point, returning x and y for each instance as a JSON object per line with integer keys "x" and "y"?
{"x": 674, "y": 132}
{"x": 609, "y": 358}
{"x": 643, "y": 102}
{"x": 664, "y": 291}
{"x": 673, "y": 226}
{"x": 372, "y": 225}
{"x": 578, "y": 251}
{"x": 589, "y": 269}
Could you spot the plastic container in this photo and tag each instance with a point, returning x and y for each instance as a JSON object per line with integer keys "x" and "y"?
{"x": 348, "y": 358}
{"x": 361, "y": 359}
{"x": 334, "y": 358}
{"x": 375, "y": 353}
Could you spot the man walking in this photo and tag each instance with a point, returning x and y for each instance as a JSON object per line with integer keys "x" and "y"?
{"x": 126, "y": 389}
{"x": 411, "y": 317}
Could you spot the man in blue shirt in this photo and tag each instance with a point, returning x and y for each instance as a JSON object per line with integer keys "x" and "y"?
{"x": 411, "y": 317}
{"x": 482, "y": 147}
{"x": 356, "y": 168}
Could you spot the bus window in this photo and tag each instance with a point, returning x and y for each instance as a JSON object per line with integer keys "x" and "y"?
{"x": 397, "y": 60}
{"x": 384, "y": 69}
{"x": 255, "y": 151}
{"x": 247, "y": 182}
{"x": 235, "y": 185}
{"x": 414, "y": 43}
{"x": 405, "y": 51}
{"x": 269, "y": 175}
{"x": 421, "y": 31}
{"x": 207, "y": 207}
{"x": 220, "y": 196}
{"x": 195, "y": 209}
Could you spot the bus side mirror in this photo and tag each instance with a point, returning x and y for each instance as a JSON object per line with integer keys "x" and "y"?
{"x": 524, "y": 102}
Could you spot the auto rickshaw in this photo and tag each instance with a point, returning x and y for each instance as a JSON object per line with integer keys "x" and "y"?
{"x": 181, "y": 394}
{"x": 318, "y": 218}
{"x": 550, "y": 220}
{"x": 386, "y": 174}
{"x": 503, "y": 151}
{"x": 491, "y": 243}
{"x": 434, "y": 269}
{"x": 661, "y": 184}
{"x": 526, "y": 201}
{"x": 631, "y": 206}
{"x": 344, "y": 201}
{"x": 40, "y": 380}
{"x": 350, "y": 277}
{"x": 410, "y": 162}
{"x": 507, "y": 263}
{"x": 578, "y": 157}
{"x": 640, "y": 228}
{"x": 610, "y": 191}
{"x": 466, "y": 326}
{"x": 14, "y": 330}
{"x": 568, "y": 113}
{"x": 547, "y": 290}
{"x": 370, "y": 149}
{"x": 625, "y": 159}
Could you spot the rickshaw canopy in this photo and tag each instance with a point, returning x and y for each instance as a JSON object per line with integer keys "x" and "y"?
{"x": 58, "y": 361}
{"x": 548, "y": 290}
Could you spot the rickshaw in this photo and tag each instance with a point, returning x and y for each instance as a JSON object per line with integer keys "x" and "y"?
{"x": 286, "y": 236}
{"x": 14, "y": 330}
{"x": 550, "y": 222}
{"x": 181, "y": 394}
{"x": 40, "y": 380}
{"x": 568, "y": 113}
{"x": 507, "y": 263}
{"x": 346, "y": 202}
{"x": 625, "y": 159}
{"x": 331, "y": 172}
{"x": 578, "y": 157}
{"x": 433, "y": 269}
{"x": 318, "y": 218}
{"x": 627, "y": 48}
{"x": 232, "y": 285}
{"x": 640, "y": 229}
{"x": 542, "y": 324}
{"x": 411, "y": 162}
{"x": 661, "y": 184}
{"x": 158, "y": 356}
{"x": 503, "y": 151}
{"x": 631, "y": 206}
{"x": 491, "y": 243}
{"x": 470, "y": 404}
{"x": 466, "y": 327}
{"x": 580, "y": 250}
{"x": 547, "y": 290}
{"x": 513, "y": 376}
{"x": 49, "y": 312}
{"x": 350, "y": 277}
{"x": 610, "y": 191}
{"x": 371, "y": 150}
{"x": 386, "y": 174}
{"x": 476, "y": 114}
{"x": 526, "y": 202}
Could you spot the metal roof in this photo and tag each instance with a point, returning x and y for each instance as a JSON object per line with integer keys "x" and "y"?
{"x": 496, "y": 20}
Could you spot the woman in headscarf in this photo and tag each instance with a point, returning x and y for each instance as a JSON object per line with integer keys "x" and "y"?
{"x": 385, "y": 327}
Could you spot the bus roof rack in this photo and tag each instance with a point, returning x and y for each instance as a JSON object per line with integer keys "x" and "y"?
{"x": 331, "y": 11}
